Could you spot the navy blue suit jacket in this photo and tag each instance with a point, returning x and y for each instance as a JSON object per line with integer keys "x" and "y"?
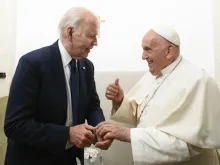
{"x": 37, "y": 108}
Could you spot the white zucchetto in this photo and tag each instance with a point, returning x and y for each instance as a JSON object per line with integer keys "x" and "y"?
{"x": 168, "y": 33}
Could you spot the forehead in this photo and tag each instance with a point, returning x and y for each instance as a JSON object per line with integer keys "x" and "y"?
{"x": 90, "y": 24}
{"x": 149, "y": 38}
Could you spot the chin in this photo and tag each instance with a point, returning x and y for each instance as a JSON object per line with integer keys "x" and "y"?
{"x": 154, "y": 73}
{"x": 85, "y": 55}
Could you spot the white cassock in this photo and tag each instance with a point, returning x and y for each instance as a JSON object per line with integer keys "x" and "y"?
{"x": 177, "y": 116}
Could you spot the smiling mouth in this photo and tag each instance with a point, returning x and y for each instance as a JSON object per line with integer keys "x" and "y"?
{"x": 149, "y": 62}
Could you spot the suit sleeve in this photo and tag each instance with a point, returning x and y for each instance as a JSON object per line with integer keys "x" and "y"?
{"x": 95, "y": 115}
{"x": 20, "y": 124}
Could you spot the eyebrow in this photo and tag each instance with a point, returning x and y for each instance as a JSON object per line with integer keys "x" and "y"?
{"x": 94, "y": 33}
{"x": 146, "y": 47}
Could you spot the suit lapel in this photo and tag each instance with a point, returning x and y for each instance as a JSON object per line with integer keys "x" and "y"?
{"x": 58, "y": 74}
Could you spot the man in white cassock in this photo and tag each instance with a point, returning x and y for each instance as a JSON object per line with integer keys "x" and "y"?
{"x": 175, "y": 108}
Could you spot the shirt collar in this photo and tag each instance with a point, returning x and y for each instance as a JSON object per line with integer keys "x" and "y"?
{"x": 66, "y": 58}
{"x": 172, "y": 66}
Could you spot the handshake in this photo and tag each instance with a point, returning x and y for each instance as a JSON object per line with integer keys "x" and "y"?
{"x": 102, "y": 135}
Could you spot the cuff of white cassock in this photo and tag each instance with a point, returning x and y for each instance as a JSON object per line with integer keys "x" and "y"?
{"x": 152, "y": 146}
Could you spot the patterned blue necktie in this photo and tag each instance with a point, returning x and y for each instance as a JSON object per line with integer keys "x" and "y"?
{"x": 74, "y": 87}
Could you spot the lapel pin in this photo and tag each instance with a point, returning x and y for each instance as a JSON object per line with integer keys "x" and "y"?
{"x": 84, "y": 67}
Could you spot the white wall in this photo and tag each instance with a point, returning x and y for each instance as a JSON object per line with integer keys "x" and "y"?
{"x": 119, "y": 45}
{"x": 7, "y": 42}
{"x": 197, "y": 21}
{"x": 125, "y": 24}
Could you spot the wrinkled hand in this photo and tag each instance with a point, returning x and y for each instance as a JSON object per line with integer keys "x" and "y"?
{"x": 109, "y": 130}
{"x": 81, "y": 135}
{"x": 114, "y": 92}
{"x": 103, "y": 144}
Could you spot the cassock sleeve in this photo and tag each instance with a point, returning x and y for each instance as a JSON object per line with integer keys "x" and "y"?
{"x": 153, "y": 146}
{"x": 125, "y": 113}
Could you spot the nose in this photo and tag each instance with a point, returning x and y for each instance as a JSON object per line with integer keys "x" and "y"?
{"x": 95, "y": 42}
{"x": 144, "y": 56}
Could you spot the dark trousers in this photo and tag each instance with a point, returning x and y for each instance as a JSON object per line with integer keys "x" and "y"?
{"x": 70, "y": 157}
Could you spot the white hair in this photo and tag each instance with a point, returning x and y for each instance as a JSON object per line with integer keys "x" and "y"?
{"x": 73, "y": 17}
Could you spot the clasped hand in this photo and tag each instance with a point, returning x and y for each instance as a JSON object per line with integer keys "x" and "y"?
{"x": 84, "y": 135}
{"x": 109, "y": 130}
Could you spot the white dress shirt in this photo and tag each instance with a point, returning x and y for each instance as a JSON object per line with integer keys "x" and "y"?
{"x": 66, "y": 58}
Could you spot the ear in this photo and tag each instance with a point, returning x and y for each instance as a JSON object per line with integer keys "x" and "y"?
{"x": 170, "y": 52}
{"x": 69, "y": 32}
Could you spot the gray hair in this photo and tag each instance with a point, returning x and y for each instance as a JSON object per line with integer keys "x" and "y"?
{"x": 73, "y": 17}
{"x": 164, "y": 41}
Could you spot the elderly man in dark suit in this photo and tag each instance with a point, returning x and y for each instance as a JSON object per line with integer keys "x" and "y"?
{"x": 52, "y": 93}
